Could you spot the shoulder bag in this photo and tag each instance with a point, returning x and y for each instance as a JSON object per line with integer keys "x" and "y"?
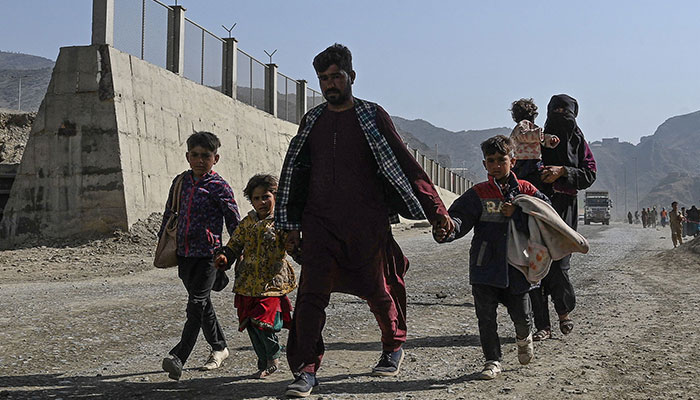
{"x": 166, "y": 250}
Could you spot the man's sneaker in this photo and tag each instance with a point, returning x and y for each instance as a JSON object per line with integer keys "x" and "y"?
{"x": 215, "y": 359}
{"x": 303, "y": 384}
{"x": 490, "y": 371}
{"x": 526, "y": 350}
{"x": 389, "y": 363}
{"x": 173, "y": 366}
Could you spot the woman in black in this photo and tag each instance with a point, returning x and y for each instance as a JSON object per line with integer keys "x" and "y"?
{"x": 569, "y": 167}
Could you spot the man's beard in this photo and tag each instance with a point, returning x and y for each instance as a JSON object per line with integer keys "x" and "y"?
{"x": 341, "y": 97}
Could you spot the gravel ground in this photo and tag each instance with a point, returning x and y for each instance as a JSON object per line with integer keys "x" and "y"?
{"x": 93, "y": 320}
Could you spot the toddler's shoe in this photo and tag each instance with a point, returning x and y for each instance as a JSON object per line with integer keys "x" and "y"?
{"x": 526, "y": 350}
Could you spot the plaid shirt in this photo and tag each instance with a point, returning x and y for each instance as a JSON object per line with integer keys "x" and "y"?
{"x": 386, "y": 160}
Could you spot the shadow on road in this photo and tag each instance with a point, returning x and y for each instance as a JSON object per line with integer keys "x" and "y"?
{"x": 115, "y": 387}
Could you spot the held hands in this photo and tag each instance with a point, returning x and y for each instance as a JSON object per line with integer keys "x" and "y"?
{"x": 442, "y": 227}
{"x": 221, "y": 262}
{"x": 552, "y": 173}
{"x": 508, "y": 209}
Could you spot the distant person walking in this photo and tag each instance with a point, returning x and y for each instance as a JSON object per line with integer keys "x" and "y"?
{"x": 684, "y": 222}
{"x": 629, "y": 217}
{"x": 664, "y": 217}
{"x": 676, "y": 219}
{"x": 636, "y": 216}
{"x": 346, "y": 175}
{"x": 568, "y": 168}
{"x": 693, "y": 220}
{"x": 645, "y": 218}
{"x": 654, "y": 216}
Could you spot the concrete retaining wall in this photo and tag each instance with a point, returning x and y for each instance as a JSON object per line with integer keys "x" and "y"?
{"x": 110, "y": 136}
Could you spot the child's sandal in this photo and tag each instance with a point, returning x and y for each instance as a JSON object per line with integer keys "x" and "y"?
{"x": 271, "y": 369}
{"x": 542, "y": 335}
{"x": 566, "y": 326}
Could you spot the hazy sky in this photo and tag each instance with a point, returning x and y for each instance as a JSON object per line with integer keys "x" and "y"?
{"x": 457, "y": 64}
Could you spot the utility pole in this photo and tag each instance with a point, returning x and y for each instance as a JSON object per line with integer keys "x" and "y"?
{"x": 625, "y": 190}
{"x": 19, "y": 93}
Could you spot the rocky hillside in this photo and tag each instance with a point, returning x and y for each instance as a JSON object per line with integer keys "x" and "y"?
{"x": 676, "y": 186}
{"x": 462, "y": 147}
{"x": 14, "y": 132}
{"x": 35, "y": 73}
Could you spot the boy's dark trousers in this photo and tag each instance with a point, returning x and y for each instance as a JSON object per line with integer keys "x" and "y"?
{"x": 486, "y": 299}
{"x": 198, "y": 275}
{"x": 558, "y": 285}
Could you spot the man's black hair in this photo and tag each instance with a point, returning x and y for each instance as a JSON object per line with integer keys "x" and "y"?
{"x": 336, "y": 54}
{"x": 269, "y": 182}
{"x": 204, "y": 139}
{"x": 497, "y": 144}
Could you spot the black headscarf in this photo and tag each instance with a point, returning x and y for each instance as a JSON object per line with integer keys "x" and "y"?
{"x": 564, "y": 126}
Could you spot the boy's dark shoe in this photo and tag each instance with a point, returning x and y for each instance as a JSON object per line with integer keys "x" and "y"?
{"x": 173, "y": 366}
{"x": 389, "y": 364}
{"x": 303, "y": 384}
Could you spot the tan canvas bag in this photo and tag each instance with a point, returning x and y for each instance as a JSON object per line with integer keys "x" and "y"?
{"x": 166, "y": 250}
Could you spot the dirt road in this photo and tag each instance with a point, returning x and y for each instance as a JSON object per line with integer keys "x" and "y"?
{"x": 95, "y": 320}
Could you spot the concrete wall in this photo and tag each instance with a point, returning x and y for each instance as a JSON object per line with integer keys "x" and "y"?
{"x": 110, "y": 136}
{"x": 69, "y": 180}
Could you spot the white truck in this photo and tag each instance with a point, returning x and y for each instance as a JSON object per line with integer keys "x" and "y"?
{"x": 597, "y": 205}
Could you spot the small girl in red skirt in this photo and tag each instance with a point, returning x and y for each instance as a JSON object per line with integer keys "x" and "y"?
{"x": 263, "y": 276}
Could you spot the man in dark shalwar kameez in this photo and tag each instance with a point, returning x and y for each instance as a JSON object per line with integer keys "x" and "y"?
{"x": 346, "y": 176}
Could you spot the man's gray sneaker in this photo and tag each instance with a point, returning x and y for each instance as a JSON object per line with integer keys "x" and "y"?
{"x": 173, "y": 366}
{"x": 303, "y": 384}
{"x": 389, "y": 363}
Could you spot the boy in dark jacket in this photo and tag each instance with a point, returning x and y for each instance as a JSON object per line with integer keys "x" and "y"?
{"x": 206, "y": 200}
{"x": 487, "y": 207}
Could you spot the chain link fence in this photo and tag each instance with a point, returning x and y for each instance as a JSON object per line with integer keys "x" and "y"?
{"x": 251, "y": 80}
{"x": 141, "y": 29}
{"x": 150, "y": 41}
{"x": 287, "y": 98}
{"x": 313, "y": 98}
{"x": 202, "y": 56}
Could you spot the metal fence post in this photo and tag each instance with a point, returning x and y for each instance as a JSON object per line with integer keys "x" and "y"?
{"x": 229, "y": 78}
{"x": 103, "y": 22}
{"x": 271, "y": 89}
{"x": 301, "y": 99}
{"x": 175, "y": 54}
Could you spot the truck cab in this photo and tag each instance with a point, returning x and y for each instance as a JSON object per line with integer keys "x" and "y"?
{"x": 597, "y": 205}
